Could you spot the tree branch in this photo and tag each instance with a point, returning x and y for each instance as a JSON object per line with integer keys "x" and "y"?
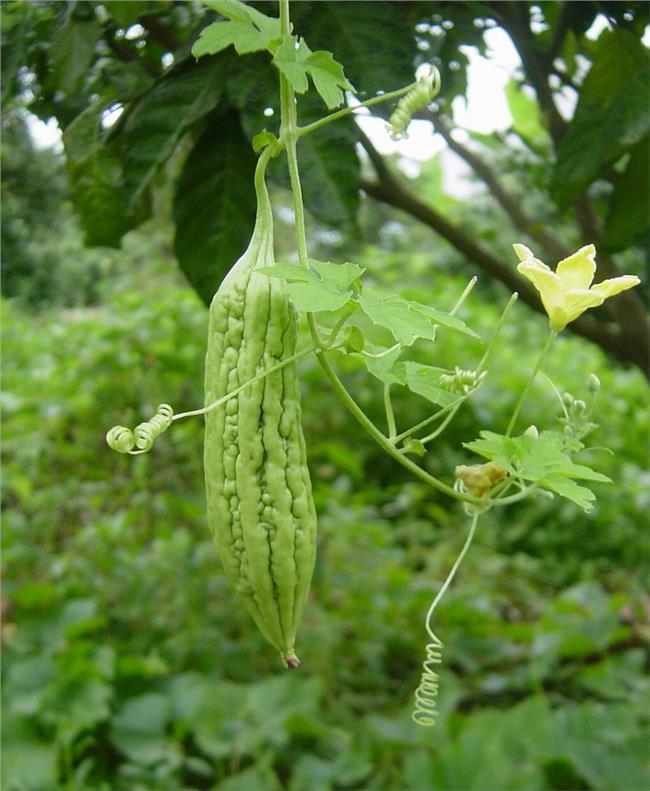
{"x": 389, "y": 190}
{"x": 514, "y": 19}
{"x": 510, "y": 204}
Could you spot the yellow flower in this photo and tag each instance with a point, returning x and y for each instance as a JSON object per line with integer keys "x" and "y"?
{"x": 567, "y": 292}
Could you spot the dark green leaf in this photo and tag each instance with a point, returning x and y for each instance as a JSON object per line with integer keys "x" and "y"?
{"x": 96, "y": 179}
{"x": 611, "y": 116}
{"x": 126, "y": 12}
{"x": 214, "y": 204}
{"x": 375, "y": 41}
{"x": 330, "y": 171}
{"x": 628, "y": 217}
{"x": 155, "y": 126}
{"x": 72, "y": 52}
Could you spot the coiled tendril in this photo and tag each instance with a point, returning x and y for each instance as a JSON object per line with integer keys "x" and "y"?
{"x": 461, "y": 381}
{"x": 123, "y": 440}
{"x": 425, "y": 711}
{"x": 426, "y": 88}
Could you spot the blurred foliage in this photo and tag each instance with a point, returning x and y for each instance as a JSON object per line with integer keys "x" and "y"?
{"x": 129, "y": 664}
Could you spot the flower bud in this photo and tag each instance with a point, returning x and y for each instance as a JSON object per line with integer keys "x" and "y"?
{"x": 415, "y": 447}
{"x": 568, "y": 399}
{"x": 593, "y": 384}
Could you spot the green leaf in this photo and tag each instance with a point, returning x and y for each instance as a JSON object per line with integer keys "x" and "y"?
{"x": 628, "y": 219}
{"x": 97, "y": 183}
{"x": 214, "y": 204}
{"x": 126, "y": 12}
{"x": 29, "y": 762}
{"x": 139, "y": 728}
{"x": 328, "y": 77}
{"x": 543, "y": 461}
{"x": 330, "y": 168}
{"x": 385, "y": 368}
{"x": 425, "y": 381}
{"x": 339, "y": 276}
{"x": 567, "y": 488}
{"x": 526, "y": 116}
{"x": 611, "y": 116}
{"x": 290, "y": 60}
{"x": 292, "y": 273}
{"x": 263, "y": 139}
{"x": 247, "y": 29}
{"x": 396, "y": 315}
{"x": 444, "y": 319}
{"x": 71, "y": 53}
{"x": 326, "y": 288}
{"x": 375, "y": 41}
{"x": 154, "y": 128}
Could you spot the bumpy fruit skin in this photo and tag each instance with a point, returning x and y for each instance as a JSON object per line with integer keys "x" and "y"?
{"x": 260, "y": 507}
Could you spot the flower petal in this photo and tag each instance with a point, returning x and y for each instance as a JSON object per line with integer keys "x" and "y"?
{"x": 543, "y": 278}
{"x": 608, "y": 288}
{"x": 522, "y": 252}
{"x": 577, "y": 271}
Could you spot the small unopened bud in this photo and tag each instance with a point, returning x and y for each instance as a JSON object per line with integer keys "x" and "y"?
{"x": 415, "y": 447}
{"x": 532, "y": 431}
{"x": 579, "y": 406}
{"x": 353, "y": 340}
{"x": 593, "y": 384}
{"x": 568, "y": 399}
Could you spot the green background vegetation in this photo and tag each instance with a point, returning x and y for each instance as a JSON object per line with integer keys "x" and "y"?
{"x": 129, "y": 663}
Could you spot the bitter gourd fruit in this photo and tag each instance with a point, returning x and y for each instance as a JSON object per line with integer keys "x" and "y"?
{"x": 260, "y": 507}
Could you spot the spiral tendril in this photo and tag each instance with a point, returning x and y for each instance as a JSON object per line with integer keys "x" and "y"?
{"x": 123, "y": 440}
{"x": 426, "y": 711}
{"x": 426, "y": 88}
{"x": 462, "y": 381}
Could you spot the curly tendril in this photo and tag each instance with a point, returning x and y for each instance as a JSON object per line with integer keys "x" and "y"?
{"x": 422, "y": 93}
{"x": 461, "y": 381}
{"x": 426, "y": 711}
{"x": 123, "y": 440}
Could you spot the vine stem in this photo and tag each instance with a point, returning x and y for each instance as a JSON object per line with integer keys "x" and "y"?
{"x": 289, "y": 136}
{"x": 390, "y": 415}
{"x": 551, "y": 337}
{"x": 481, "y": 366}
{"x": 451, "y": 575}
{"x": 384, "y": 97}
{"x": 266, "y": 372}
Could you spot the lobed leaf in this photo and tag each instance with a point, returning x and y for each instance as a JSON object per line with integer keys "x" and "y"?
{"x": 397, "y": 316}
